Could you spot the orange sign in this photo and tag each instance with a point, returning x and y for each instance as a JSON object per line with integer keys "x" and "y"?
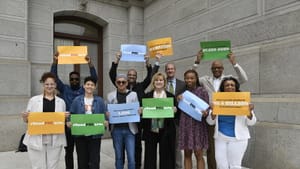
{"x": 72, "y": 54}
{"x": 46, "y": 123}
{"x": 231, "y": 103}
{"x": 162, "y": 46}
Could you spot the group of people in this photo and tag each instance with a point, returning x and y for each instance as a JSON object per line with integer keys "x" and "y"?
{"x": 224, "y": 138}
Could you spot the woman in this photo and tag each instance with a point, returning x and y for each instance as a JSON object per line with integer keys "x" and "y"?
{"x": 44, "y": 150}
{"x": 193, "y": 134}
{"x": 160, "y": 131}
{"x": 231, "y": 132}
{"x": 123, "y": 134}
{"x": 88, "y": 147}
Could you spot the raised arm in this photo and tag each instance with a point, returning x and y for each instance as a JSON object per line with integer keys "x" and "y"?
{"x": 93, "y": 71}
{"x": 241, "y": 74}
{"x": 113, "y": 68}
{"x": 198, "y": 59}
{"x": 145, "y": 83}
{"x": 60, "y": 84}
{"x": 156, "y": 64}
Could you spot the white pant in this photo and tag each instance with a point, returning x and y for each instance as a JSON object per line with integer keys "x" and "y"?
{"x": 47, "y": 158}
{"x": 229, "y": 153}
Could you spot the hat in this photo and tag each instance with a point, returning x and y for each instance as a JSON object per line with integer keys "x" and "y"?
{"x": 121, "y": 76}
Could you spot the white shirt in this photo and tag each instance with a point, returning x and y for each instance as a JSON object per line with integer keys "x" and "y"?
{"x": 173, "y": 81}
{"x": 217, "y": 82}
{"x": 88, "y": 102}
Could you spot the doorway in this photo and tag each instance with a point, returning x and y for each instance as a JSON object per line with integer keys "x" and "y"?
{"x": 76, "y": 31}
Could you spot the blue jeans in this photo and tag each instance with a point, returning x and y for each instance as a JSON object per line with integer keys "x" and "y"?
{"x": 123, "y": 138}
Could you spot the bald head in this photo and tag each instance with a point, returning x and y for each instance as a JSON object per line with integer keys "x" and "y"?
{"x": 217, "y": 68}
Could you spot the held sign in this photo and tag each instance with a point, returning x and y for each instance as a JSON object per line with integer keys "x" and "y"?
{"x": 231, "y": 103}
{"x": 162, "y": 46}
{"x": 46, "y": 123}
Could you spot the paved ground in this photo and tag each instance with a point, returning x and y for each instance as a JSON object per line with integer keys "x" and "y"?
{"x": 13, "y": 160}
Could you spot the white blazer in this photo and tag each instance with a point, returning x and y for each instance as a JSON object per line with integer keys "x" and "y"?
{"x": 240, "y": 127}
{"x": 35, "y": 104}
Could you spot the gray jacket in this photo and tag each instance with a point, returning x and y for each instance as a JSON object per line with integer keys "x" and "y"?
{"x": 208, "y": 81}
{"x": 130, "y": 98}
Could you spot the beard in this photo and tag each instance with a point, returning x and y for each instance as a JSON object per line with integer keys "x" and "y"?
{"x": 75, "y": 87}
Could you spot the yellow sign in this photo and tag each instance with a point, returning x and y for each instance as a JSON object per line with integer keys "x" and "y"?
{"x": 162, "y": 46}
{"x": 231, "y": 103}
{"x": 72, "y": 54}
{"x": 46, "y": 123}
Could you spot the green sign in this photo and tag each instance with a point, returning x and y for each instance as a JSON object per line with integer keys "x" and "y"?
{"x": 87, "y": 124}
{"x": 158, "y": 108}
{"x": 214, "y": 50}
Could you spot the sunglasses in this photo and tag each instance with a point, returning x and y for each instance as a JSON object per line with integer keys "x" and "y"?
{"x": 74, "y": 79}
{"x": 121, "y": 82}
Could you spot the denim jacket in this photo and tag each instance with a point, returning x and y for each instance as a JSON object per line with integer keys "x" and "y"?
{"x": 98, "y": 107}
{"x": 66, "y": 92}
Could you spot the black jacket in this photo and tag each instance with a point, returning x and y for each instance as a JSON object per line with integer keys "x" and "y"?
{"x": 139, "y": 87}
{"x": 169, "y": 123}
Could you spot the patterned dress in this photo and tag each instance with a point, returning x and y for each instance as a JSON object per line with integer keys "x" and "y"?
{"x": 193, "y": 135}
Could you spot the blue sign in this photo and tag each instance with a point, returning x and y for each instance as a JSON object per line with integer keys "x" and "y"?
{"x": 123, "y": 113}
{"x": 133, "y": 53}
{"x": 192, "y": 105}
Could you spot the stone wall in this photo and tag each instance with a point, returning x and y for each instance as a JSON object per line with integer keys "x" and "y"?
{"x": 265, "y": 38}
{"x": 26, "y": 50}
{"x": 14, "y": 70}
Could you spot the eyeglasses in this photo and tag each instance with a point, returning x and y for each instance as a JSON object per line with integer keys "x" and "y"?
{"x": 74, "y": 79}
{"x": 49, "y": 84}
{"x": 121, "y": 82}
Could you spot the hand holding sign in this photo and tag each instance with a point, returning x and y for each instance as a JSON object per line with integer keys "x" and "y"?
{"x": 118, "y": 57}
{"x": 199, "y": 57}
{"x": 25, "y": 116}
{"x": 231, "y": 58}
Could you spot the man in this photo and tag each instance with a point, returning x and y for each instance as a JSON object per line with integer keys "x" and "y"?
{"x": 123, "y": 134}
{"x": 176, "y": 87}
{"x": 68, "y": 93}
{"x": 212, "y": 84}
{"x": 139, "y": 88}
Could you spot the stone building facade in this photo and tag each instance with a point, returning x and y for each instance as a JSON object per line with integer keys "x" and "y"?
{"x": 265, "y": 37}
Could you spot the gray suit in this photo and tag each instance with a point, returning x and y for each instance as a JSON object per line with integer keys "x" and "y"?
{"x": 180, "y": 87}
{"x": 208, "y": 81}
